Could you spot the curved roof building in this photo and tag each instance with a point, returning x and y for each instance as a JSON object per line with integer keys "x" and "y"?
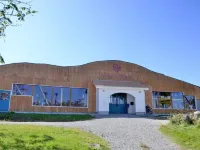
{"x": 98, "y": 87}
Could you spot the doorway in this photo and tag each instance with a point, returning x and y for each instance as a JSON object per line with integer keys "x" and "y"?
{"x": 118, "y": 103}
{"x": 4, "y": 100}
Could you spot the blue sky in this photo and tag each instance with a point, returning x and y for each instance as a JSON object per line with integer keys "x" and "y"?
{"x": 163, "y": 36}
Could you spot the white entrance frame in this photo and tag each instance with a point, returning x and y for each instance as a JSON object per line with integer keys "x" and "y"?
{"x": 103, "y": 94}
{"x": 131, "y": 108}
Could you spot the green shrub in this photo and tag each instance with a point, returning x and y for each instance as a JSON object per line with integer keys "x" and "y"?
{"x": 198, "y": 123}
{"x": 11, "y": 116}
{"x": 198, "y": 116}
{"x": 177, "y": 119}
{"x": 12, "y": 112}
{"x": 189, "y": 119}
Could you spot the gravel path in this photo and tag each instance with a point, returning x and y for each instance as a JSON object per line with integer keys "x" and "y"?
{"x": 123, "y": 133}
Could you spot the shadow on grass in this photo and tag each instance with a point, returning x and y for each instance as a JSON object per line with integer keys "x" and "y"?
{"x": 36, "y": 142}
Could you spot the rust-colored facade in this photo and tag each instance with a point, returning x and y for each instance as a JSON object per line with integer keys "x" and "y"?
{"x": 83, "y": 76}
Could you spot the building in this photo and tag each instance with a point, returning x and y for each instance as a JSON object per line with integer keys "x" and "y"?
{"x": 98, "y": 87}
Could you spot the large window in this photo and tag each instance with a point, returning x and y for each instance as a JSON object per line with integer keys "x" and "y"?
{"x": 47, "y": 96}
{"x": 79, "y": 97}
{"x": 172, "y": 100}
{"x": 22, "y": 89}
{"x": 53, "y": 96}
{"x": 177, "y": 100}
{"x": 161, "y": 99}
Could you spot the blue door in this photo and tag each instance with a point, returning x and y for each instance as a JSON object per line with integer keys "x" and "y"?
{"x": 4, "y": 100}
{"x": 118, "y": 104}
{"x": 118, "y": 108}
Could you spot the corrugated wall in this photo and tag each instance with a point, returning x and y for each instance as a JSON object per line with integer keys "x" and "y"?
{"x": 83, "y": 76}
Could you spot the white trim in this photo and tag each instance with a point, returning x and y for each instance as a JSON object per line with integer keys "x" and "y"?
{"x": 61, "y": 100}
{"x": 52, "y": 85}
{"x": 104, "y": 94}
{"x": 122, "y": 88}
{"x": 10, "y": 101}
{"x": 12, "y": 88}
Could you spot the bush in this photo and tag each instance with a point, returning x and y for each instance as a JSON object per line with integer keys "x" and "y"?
{"x": 187, "y": 119}
{"x": 11, "y": 116}
{"x": 177, "y": 119}
{"x": 198, "y": 123}
{"x": 198, "y": 116}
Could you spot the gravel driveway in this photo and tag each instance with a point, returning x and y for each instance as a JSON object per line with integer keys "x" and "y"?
{"x": 123, "y": 132}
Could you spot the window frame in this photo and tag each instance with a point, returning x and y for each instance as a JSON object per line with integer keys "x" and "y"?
{"x": 159, "y": 99}
{"x": 194, "y": 102}
{"x": 23, "y": 84}
{"x": 179, "y": 99}
{"x": 71, "y": 96}
{"x": 42, "y": 94}
{"x": 172, "y": 101}
{"x": 11, "y": 94}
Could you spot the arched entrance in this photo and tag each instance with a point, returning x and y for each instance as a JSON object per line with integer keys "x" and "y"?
{"x": 121, "y": 103}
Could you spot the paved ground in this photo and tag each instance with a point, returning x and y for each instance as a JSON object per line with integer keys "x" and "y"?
{"x": 124, "y": 132}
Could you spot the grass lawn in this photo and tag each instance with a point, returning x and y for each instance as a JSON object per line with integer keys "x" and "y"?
{"x": 43, "y": 117}
{"x": 30, "y": 137}
{"x": 186, "y": 136}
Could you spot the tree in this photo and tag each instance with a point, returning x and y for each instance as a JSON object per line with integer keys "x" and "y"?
{"x": 12, "y": 12}
{"x": 1, "y": 60}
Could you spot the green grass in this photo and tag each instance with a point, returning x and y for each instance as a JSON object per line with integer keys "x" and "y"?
{"x": 186, "y": 136}
{"x": 43, "y": 117}
{"x": 30, "y": 137}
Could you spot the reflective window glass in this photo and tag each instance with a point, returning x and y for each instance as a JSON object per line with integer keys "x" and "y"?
{"x": 189, "y": 102}
{"x": 79, "y": 97}
{"x": 22, "y": 89}
{"x": 177, "y": 100}
{"x": 65, "y": 96}
{"x": 57, "y": 96}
